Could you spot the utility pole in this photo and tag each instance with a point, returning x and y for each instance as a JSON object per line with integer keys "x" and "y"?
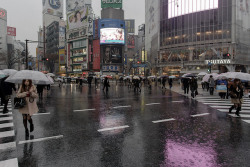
{"x": 26, "y": 55}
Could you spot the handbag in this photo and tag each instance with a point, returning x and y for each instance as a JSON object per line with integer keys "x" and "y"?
{"x": 19, "y": 102}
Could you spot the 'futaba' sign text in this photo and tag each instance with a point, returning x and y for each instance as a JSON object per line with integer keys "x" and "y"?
{"x": 111, "y": 3}
{"x": 219, "y": 61}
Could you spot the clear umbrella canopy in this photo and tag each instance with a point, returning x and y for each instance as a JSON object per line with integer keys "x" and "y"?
{"x": 9, "y": 72}
{"x": 38, "y": 78}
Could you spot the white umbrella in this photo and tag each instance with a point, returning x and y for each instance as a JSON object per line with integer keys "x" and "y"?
{"x": 9, "y": 72}
{"x": 136, "y": 77}
{"x": 172, "y": 77}
{"x": 51, "y": 79}
{"x": 221, "y": 76}
{"x": 2, "y": 75}
{"x": 153, "y": 76}
{"x": 127, "y": 77}
{"x": 207, "y": 76}
{"x": 202, "y": 73}
{"x": 239, "y": 75}
{"x": 51, "y": 74}
{"x": 38, "y": 78}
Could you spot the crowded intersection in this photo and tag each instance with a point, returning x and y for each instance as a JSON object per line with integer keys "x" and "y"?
{"x": 84, "y": 124}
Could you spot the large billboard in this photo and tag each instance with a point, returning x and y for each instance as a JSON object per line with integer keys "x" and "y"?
{"x": 53, "y": 7}
{"x": 96, "y": 54}
{"x": 131, "y": 41}
{"x": 62, "y": 56}
{"x": 183, "y": 7}
{"x": 62, "y": 32}
{"x": 96, "y": 29}
{"x": 130, "y": 26}
{"x": 11, "y": 31}
{"x": 112, "y": 36}
{"x": 112, "y": 54}
{"x": 111, "y": 3}
{"x": 80, "y": 15}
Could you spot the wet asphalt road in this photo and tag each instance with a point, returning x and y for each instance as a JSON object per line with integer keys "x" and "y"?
{"x": 79, "y": 118}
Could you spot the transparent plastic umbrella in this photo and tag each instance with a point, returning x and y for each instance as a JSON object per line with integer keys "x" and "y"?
{"x": 38, "y": 78}
{"x": 2, "y": 75}
{"x": 9, "y": 72}
{"x": 239, "y": 75}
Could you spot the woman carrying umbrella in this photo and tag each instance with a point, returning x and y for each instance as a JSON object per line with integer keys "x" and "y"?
{"x": 29, "y": 92}
{"x": 236, "y": 93}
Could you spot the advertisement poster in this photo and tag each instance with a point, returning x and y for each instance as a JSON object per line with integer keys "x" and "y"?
{"x": 11, "y": 31}
{"x": 131, "y": 41}
{"x": 130, "y": 26}
{"x": 96, "y": 54}
{"x": 62, "y": 56}
{"x": 53, "y": 7}
{"x": 112, "y": 36}
{"x": 95, "y": 31}
{"x": 112, "y": 54}
{"x": 111, "y": 4}
{"x": 62, "y": 32}
{"x": 80, "y": 14}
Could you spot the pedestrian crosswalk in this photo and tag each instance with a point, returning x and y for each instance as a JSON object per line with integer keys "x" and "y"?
{"x": 223, "y": 105}
{"x": 7, "y": 132}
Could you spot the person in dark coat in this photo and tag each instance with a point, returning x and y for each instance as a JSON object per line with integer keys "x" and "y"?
{"x": 96, "y": 82}
{"x": 170, "y": 82}
{"x": 193, "y": 87}
{"x": 164, "y": 80}
{"x": 106, "y": 84}
{"x": 185, "y": 82}
{"x": 236, "y": 92}
{"x": 80, "y": 82}
{"x": 40, "y": 90}
{"x": 90, "y": 81}
{"x": 6, "y": 90}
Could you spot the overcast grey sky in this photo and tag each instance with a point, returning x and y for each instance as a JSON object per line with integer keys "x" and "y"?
{"x": 26, "y": 16}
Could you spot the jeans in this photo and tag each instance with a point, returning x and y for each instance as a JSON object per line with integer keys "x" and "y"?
{"x": 211, "y": 90}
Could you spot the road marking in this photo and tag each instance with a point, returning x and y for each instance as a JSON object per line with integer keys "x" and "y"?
{"x": 6, "y": 118}
{"x": 6, "y": 125}
{"x": 114, "y": 128}
{"x": 7, "y": 134}
{"x": 84, "y": 110}
{"x": 227, "y": 110}
{"x": 224, "y": 107}
{"x": 247, "y": 121}
{"x": 3, "y": 106}
{"x": 41, "y": 139}
{"x": 37, "y": 114}
{"x": 225, "y": 104}
{"x": 9, "y": 163}
{"x": 150, "y": 104}
{"x": 122, "y": 107}
{"x": 11, "y": 145}
{"x": 241, "y": 116}
{"x": 177, "y": 101}
{"x": 164, "y": 120}
{"x": 200, "y": 115}
{"x": 9, "y": 113}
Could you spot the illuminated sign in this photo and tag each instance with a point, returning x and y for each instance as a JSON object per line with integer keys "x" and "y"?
{"x": 112, "y": 36}
{"x": 219, "y": 61}
{"x": 111, "y": 4}
{"x": 183, "y": 7}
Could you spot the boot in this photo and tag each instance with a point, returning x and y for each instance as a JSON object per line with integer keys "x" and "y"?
{"x": 27, "y": 132}
{"x": 31, "y": 125}
{"x": 238, "y": 112}
{"x": 230, "y": 109}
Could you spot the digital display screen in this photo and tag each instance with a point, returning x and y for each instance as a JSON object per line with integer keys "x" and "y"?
{"x": 112, "y": 36}
{"x": 183, "y": 7}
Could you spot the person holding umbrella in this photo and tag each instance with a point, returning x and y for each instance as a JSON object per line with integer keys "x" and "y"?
{"x": 193, "y": 87}
{"x": 29, "y": 92}
{"x": 236, "y": 93}
{"x": 164, "y": 80}
{"x": 170, "y": 82}
{"x": 106, "y": 84}
{"x": 211, "y": 83}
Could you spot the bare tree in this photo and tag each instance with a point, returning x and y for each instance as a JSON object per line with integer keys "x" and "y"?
{"x": 11, "y": 58}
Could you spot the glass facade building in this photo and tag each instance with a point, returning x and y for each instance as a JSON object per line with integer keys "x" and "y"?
{"x": 199, "y": 30}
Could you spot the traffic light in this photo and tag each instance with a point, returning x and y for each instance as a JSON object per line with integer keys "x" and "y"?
{"x": 209, "y": 69}
{"x": 47, "y": 59}
{"x": 138, "y": 62}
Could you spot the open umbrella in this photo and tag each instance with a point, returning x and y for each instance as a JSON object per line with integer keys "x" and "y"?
{"x": 127, "y": 77}
{"x": 188, "y": 75}
{"x": 164, "y": 76}
{"x": 51, "y": 74}
{"x": 207, "y": 76}
{"x": 172, "y": 76}
{"x": 108, "y": 76}
{"x": 136, "y": 77}
{"x": 9, "y": 72}
{"x": 2, "y": 75}
{"x": 239, "y": 75}
{"x": 202, "y": 74}
{"x": 51, "y": 80}
{"x": 38, "y": 78}
{"x": 153, "y": 76}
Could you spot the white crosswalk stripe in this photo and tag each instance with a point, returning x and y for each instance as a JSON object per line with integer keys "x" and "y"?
{"x": 223, "y": 105}
{"x": 6, "y": 132}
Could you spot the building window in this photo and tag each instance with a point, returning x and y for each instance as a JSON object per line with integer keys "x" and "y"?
{"x": 79, "y": 44}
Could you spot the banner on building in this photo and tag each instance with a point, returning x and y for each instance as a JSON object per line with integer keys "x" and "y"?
{"x": 3, "y": 14}
{"x": 112, "y": 54}
{"x": 11, "y": 31}
{"x": 131, "y": 41}
{"x": 75, "y": 34}
{"x": 96, "y": 54}
{"x": 96, "y": 29}
{"x": 130, "y": 26}
{"x": 111, "y": 4}
{"x": 80, "y": 14}
{"x": 62, "y": 32}
{"x": 53, "y": 7}
{"x": 62, "y": 56}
